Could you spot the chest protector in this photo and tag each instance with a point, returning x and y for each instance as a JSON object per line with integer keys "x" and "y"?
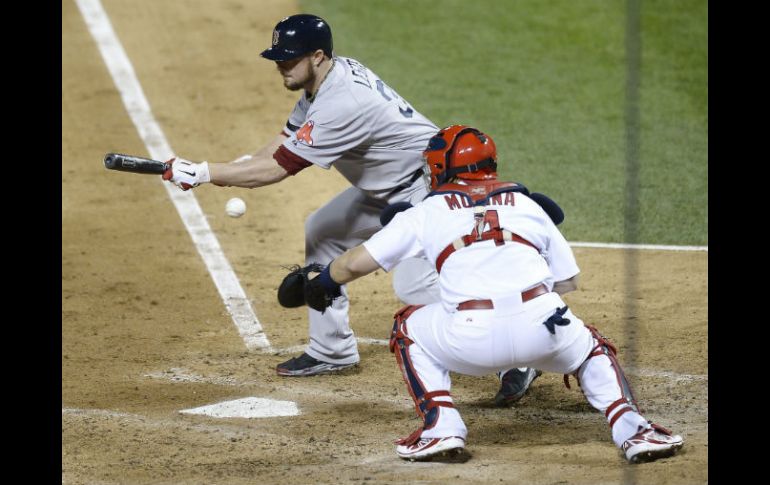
{"x": 479, "y": 195}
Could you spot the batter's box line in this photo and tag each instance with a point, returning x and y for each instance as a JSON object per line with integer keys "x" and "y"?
{"x": 298, "y": 348}
{"x": 641, "y": 372}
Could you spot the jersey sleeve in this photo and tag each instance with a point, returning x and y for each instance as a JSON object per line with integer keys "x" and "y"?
{"x": 328, "y": 132}
{"x": 559, "y": 255}
{"x": 297, "y": 117}
{"x": 289, "y": 161}
{"x": 399, "y": 240}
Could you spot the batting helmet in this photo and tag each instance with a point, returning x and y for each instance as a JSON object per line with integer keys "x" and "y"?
{"x": 460, "y": 151}
{"x": 297, "y": 35}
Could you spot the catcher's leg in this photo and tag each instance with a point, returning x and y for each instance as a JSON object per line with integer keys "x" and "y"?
{"x": 607, "y": 389}
{"x": 443, "y": 431}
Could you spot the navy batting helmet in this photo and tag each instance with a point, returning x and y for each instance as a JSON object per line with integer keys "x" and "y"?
{"x": 297, "y": 35}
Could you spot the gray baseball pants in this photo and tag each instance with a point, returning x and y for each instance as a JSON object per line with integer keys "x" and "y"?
{"x": 346, "y": 221}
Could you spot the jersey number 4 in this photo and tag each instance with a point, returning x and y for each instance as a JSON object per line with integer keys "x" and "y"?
{"x": 481, "y": 220}
{"x": 404, "y": 108}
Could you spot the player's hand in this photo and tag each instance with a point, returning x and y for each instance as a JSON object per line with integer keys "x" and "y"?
{"x": 186, "y": 174}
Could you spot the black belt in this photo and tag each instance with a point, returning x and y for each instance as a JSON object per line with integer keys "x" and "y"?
{"x": 417, "y": 174}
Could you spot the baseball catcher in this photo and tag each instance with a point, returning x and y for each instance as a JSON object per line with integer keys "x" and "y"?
{"x": 503, "y": 266}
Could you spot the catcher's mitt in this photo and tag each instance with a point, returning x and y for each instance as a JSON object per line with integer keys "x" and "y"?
{"x": 298, "y": 289}
{"x": 291, "y": 292}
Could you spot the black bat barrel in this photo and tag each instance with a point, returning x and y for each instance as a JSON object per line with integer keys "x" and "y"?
{"x": 130, "y": 163}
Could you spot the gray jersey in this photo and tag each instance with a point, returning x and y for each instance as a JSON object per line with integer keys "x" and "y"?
{"x": 361, "y": 126}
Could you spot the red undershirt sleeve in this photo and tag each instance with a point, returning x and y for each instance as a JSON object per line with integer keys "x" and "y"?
{"x": 290, "y": 162}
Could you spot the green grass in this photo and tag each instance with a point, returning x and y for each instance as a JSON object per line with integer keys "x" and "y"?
{"x": 547, "y": 81}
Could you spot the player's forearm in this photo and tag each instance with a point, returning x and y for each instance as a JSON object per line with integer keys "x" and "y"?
{"x": 353, "y": 264}
{"x": 254, "y": 172}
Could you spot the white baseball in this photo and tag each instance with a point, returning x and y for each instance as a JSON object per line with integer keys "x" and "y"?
{"x": 235, "y": 207}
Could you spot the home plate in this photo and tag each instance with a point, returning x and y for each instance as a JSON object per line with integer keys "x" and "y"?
{"x": 249, "y": 407}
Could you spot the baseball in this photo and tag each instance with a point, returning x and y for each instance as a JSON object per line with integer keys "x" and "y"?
{"x": 235, "y": 207}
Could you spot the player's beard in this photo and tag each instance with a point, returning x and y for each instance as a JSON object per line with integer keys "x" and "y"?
{"x": 297, "y": 81}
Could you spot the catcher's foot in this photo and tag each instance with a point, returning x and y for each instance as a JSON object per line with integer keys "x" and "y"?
{"x": 651, "y": 444}
{"x": 305, "y": 365}
{"x": 451, "y": 448}
{"x": 514, "y": 384}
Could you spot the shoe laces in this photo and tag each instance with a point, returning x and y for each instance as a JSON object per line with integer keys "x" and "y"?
{"x": 421, "y": 443}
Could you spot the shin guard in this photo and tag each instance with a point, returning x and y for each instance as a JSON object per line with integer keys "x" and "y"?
{"x": 427, "y": 408}
{"x": 627, "y": 402}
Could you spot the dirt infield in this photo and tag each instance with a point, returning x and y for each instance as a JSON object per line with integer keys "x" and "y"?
{"x": 145, "y": 335}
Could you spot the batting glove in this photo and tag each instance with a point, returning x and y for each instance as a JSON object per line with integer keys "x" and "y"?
{"x": 186, "y": 174}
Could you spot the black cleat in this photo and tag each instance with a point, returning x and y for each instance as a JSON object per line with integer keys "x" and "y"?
{"x": 305, "y": 365}
{"x": 514, "y": 384}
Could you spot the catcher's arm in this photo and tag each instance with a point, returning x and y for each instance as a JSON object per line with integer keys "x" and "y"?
{"x": 319, "y": 292}
{"x": 353, "y": 264}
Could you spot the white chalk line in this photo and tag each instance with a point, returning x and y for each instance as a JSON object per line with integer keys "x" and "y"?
{"x": 659, "y": 374}
{"x": 138, "y": 108}
{"x": 659, "y": 247}
{"x": 179, "y": 374}
{"x": 300, "y": 348}
{"x": 183, "y": 375}
{"x": 372, "y": 341}
{"x": 182, "y": 422}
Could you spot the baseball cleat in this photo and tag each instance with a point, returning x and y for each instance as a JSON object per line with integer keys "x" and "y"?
{"x": 305, "y": 365}
{"x": 651, "y": 444}
{"x": 514, "y": 384}
{"x": 426, "y": 449}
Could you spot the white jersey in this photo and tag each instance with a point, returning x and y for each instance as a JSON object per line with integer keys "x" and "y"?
{"x": 481, "y": 270}
{"x": 361, "y": 126}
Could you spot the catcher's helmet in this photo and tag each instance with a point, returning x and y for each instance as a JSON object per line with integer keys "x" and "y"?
{"x": 297, "y": 35}
{"x": 460, "y": 151}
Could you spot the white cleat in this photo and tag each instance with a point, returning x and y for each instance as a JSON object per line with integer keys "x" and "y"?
{"x": 651, "y": 444}
{"x": 452, "y": 447}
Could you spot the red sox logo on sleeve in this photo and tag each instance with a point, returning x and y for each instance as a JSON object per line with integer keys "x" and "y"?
{"x": 303, "y": 134}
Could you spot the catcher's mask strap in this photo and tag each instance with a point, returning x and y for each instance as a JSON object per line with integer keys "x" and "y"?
{"x": 474, "y": 167}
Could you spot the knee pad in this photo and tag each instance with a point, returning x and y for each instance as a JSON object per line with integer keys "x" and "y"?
{"x": 398, "y": 336}
{"x": 605, "y": 347}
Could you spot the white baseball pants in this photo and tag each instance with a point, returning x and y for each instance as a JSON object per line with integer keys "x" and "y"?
{"x": 480, "y": 342}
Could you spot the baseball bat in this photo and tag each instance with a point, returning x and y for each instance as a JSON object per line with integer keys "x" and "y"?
{"x": 131, "y": 163}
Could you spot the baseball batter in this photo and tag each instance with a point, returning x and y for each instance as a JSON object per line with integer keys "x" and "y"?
{"x": 348, "y": 118}
{"x": 503, "y": 266}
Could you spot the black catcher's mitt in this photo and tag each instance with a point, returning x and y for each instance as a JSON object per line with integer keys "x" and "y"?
{"x": 291, "y": 293}
{"x": 319, "y": 295}
{"x": 298, "y": 289}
